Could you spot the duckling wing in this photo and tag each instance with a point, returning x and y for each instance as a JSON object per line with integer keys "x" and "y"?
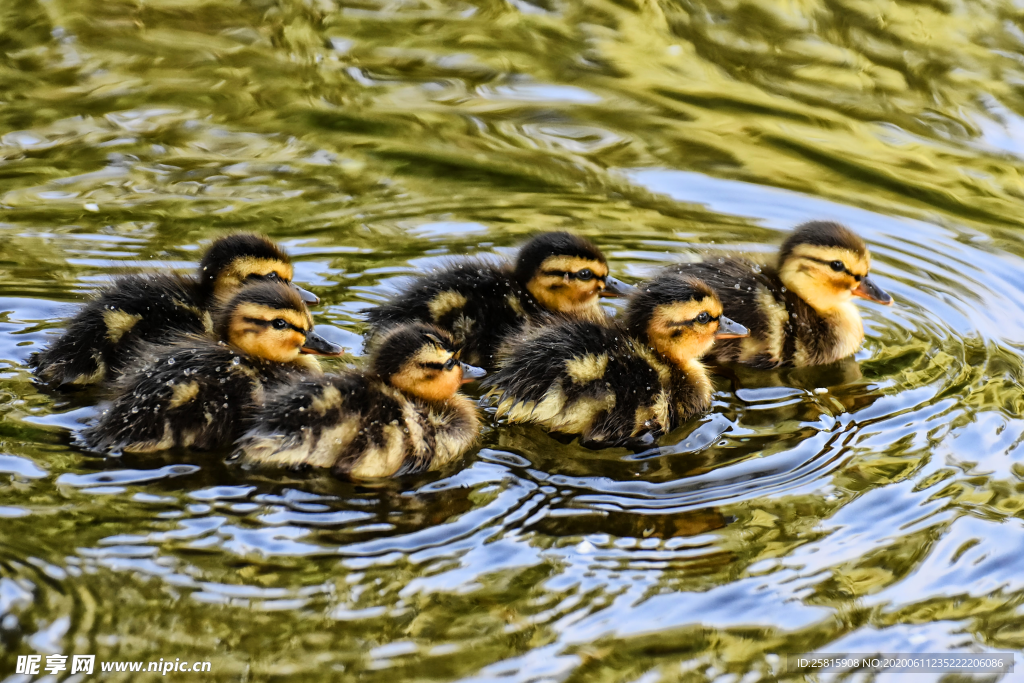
{"x": 577, "y": 377}
{"x": 185, "y": 395}
{"x": 530, "y": 363}
{"x": 477, "y": 302}
{"x": 346, "y": 422}
{"x": 97, "y": 344}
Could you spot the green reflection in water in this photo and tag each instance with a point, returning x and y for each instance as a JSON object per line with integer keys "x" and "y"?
{"x": 874, "y": 505}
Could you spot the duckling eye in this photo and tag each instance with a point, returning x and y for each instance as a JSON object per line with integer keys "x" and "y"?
{"x": 837, "y": 266}
{"x": 704, "y": 318}
{"x": 585, "y": 274}
{"x": 279, "y": 324}
{"x": 450, "y": 364}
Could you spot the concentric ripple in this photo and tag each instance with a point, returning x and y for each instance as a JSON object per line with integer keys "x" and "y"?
{"x": 533, "y": 539}
{"x": 872, "y": 505}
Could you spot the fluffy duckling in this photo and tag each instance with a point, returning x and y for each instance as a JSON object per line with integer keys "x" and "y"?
{"x": 481, "y": 303}
{"x": 616, "y": 384}
{"x": 801, "y": 312}
{"x": 153, "y": 308}
{"x": 403, "y": 416}
{"x": 195, "y": 392}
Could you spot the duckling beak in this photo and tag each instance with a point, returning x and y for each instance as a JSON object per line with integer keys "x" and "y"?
{"x": 306, "y": 295}
{"x": 616, "y": 288}
{"x": 867, "y": 289}
{"x": 730, "y": 329}
{"x": 471, "y": 372}
{"x": 318, "y": 346}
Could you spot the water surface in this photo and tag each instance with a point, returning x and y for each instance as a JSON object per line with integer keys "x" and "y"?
{"x": 874, "y": 505}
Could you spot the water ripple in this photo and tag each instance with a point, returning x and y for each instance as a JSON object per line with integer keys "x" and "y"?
{"x": 873, "y": 504}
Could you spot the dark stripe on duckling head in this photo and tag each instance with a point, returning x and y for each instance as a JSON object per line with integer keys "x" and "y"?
{"x": 822, "y": 234}
{"x": 403, "y": 342}
{"x": 533, "y": 253}
{"x": 837, "y": 265}
{"x": 420, "y": 360}
{"x": 269, "y": 321}
{"x": 243, "y": 245}
{"x": 667, "y": 288}
{"x": 684, "y": 319}
{"x": 273, "y": 295}
{"x": 276, "y": 323}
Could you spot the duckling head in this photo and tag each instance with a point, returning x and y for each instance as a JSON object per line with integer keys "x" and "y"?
{"x": 826, "y": 265}
{"x": 243, "y": 258}
{"x": 422, "y": 360}
{"x": 680, "y": 317}
{"x": 566, "y": 273}
{"x": 269, "y": 320}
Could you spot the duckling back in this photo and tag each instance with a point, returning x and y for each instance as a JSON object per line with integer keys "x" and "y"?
{"x": 358, "y": 426}
{"x": 594, "y": 380}
{"x": 478, "y": 303}
{"x": 193, "y": 393}
{"x": 98, "y": 341}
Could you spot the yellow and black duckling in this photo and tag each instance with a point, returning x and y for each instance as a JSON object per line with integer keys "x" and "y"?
{"x": 403, "y": 416}
{"x": 615, "y": 384}
{"x": 196, "y": 392}
{"x": 481, "y": 303}
{"x": 97, "y": 344}
{"x": 801, "y": 312}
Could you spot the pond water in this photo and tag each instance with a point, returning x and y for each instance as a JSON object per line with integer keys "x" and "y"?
{"x": 875, "y": 505}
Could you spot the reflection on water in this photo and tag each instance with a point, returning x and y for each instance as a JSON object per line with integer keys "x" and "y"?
{"x": 874, "y": 505}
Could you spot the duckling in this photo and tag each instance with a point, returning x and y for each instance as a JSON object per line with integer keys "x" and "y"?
{"x": 152, "y": 308}
{"x": 195, "y": 392}
{"x": 481, "y": 303}
{"x": 403, "y": 416}
{"x": 801, "y": 312}
{"x": 615, "y": 384}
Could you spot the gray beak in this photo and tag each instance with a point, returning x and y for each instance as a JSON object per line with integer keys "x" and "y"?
{"x": 730, "y": 329}
{"x": 616, "y": 288}
{"x": 306, "y": 295}
{"x": 867, "y": 289}
{"x": 471, "y": 372}
{"x": 318, "y": 346}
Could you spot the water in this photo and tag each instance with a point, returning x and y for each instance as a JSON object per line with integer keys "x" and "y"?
{"x": 877, "y": 505}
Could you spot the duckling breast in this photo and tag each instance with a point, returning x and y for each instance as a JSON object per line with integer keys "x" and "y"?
{"x": 456, "y": 429}
{"x": 827, "y": 338}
